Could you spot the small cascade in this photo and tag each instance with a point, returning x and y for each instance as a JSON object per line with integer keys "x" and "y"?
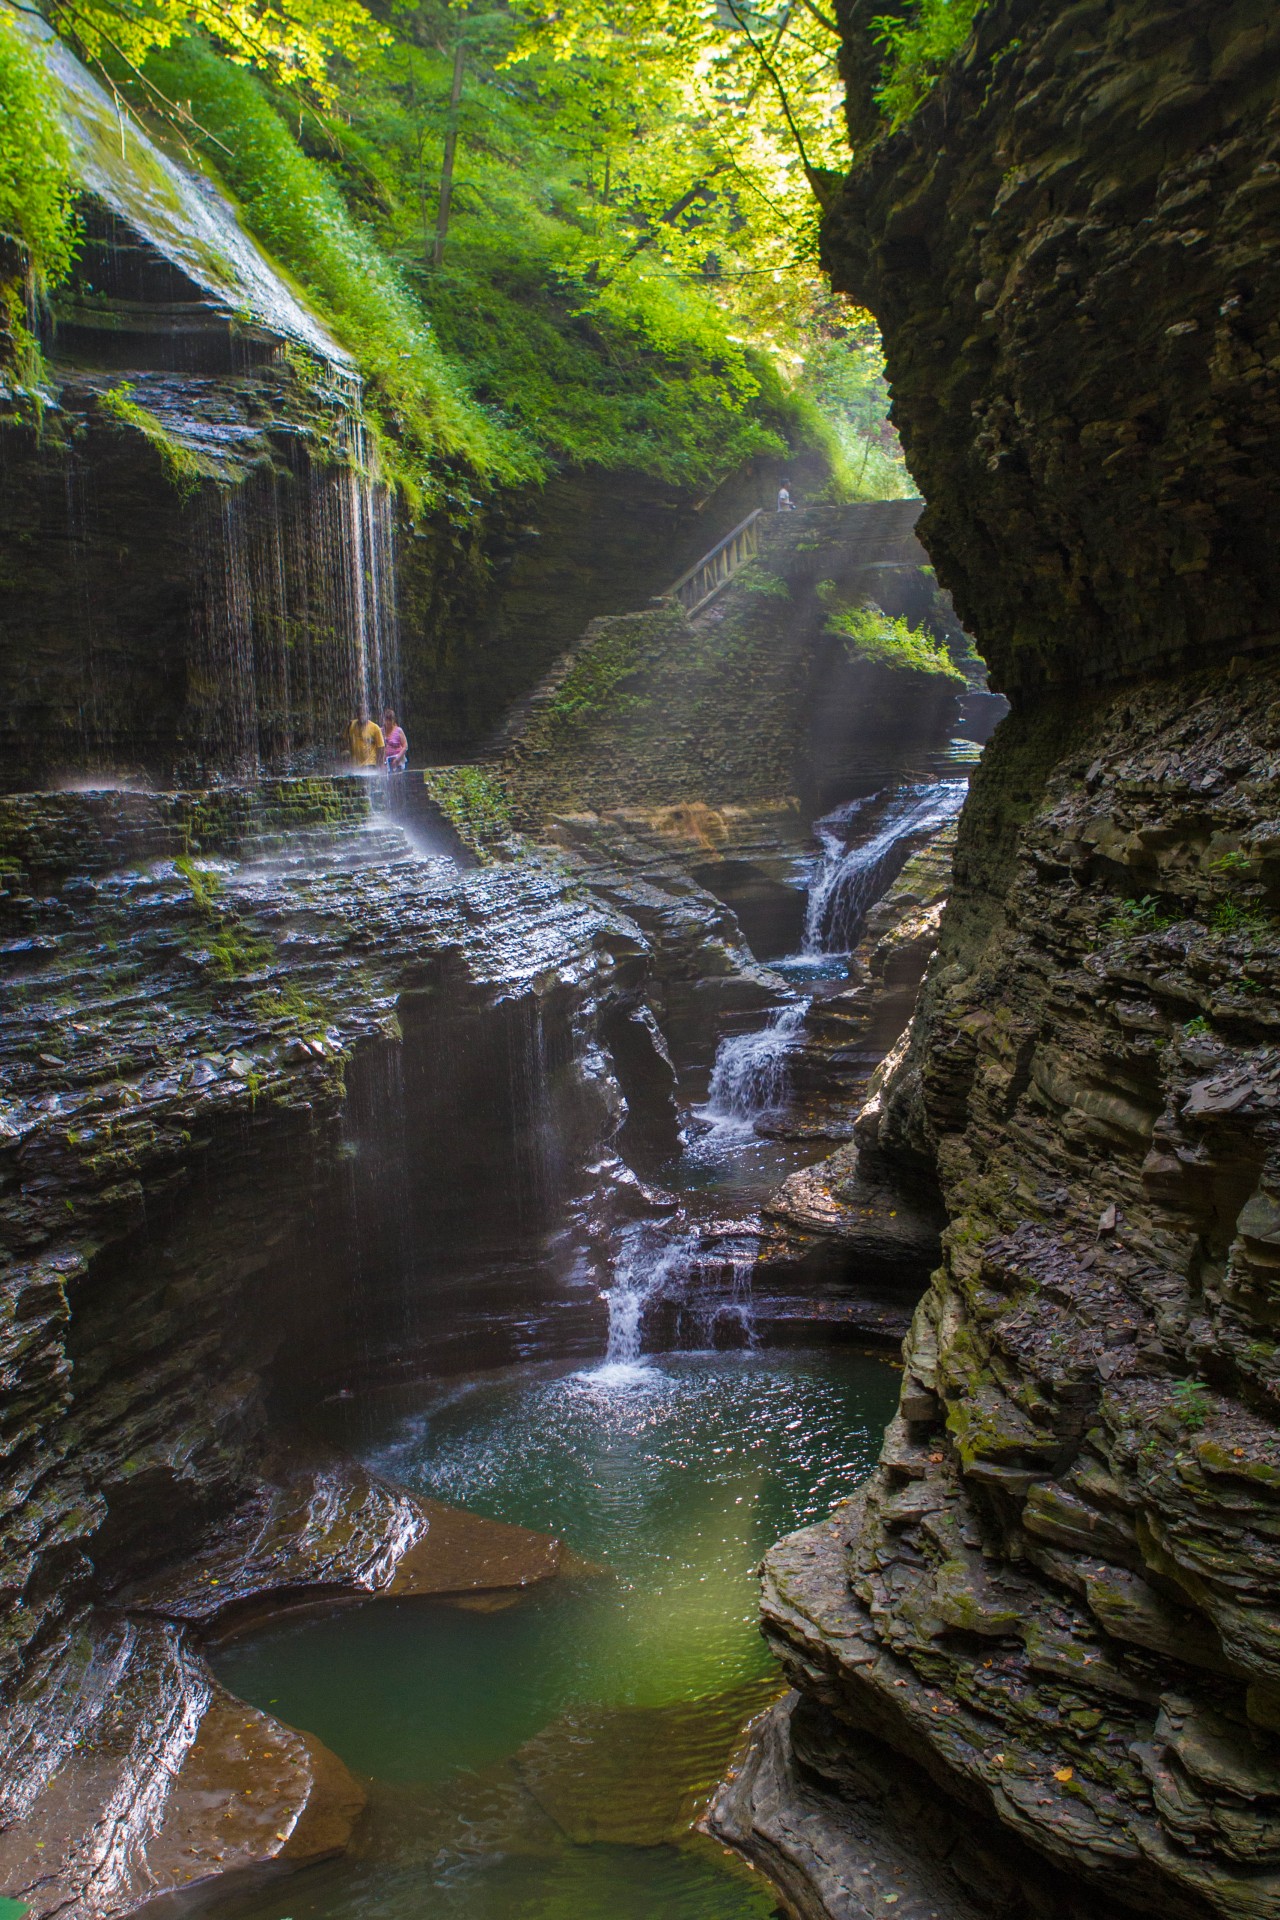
{"x": 731, "y": 1308}
{"x": 749, "y": 1078}
{"x": 650, "y": 1265}
{"x": 855, "y": 871}
{"x": 705, "y": 1283}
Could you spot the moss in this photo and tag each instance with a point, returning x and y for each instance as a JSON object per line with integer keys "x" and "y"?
{"x": 757, "y": 579}
{"x": 183, "y": 469}
{"x": 593, "y": 680}
{"x": 292, "y": 1006}
{"x": 231, "y": 951}
{"x": 474, "y": 803}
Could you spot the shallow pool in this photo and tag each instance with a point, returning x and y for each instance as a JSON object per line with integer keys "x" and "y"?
{"x": 546, "y": 1759}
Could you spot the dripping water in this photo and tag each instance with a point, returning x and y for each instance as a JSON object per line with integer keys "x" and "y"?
{"x": 297, "y": 628}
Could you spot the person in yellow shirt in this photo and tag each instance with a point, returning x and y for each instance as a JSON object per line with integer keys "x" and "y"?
{"x": 364, "y": 738}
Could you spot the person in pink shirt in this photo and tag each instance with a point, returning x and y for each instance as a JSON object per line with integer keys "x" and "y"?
{"x": 396, "y": 741}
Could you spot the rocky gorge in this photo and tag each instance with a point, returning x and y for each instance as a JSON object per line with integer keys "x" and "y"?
{"x": 1053, "y": 1602}
{"x": 316, "y": 1086}
{"x": 359, "y": 1133}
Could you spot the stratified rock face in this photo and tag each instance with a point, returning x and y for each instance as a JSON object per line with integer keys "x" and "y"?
{"x": 1059, "y": 1594}
{"x": 223, "y": 1035}
{"x": 1074, "y": 255}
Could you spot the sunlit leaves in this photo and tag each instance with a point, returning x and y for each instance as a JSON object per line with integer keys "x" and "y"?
{"x": 296, "y": 41}
{"x": 917, "y": 48}
{"x": 36, "y": 192}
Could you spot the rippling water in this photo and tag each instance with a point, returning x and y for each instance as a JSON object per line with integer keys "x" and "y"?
{"x": 543, "y": 1762}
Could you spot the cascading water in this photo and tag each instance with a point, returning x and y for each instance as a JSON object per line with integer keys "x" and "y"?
{"x": 749, "y": 1077}
{"x": 298, "y": 629}
{"x": 707, "y": 1279}
{"x": 650, "y": 1263}
{"x": 854, "y": 873}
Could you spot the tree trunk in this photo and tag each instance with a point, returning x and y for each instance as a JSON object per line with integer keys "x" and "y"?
{"x": 450, "y": 148}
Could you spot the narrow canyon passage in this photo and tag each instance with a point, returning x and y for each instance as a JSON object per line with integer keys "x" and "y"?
{"x": 639, "y": 960}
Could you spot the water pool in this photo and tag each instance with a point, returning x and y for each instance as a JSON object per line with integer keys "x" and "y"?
{"x": 544, "y": 1761}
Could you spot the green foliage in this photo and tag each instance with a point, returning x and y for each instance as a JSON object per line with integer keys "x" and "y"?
{"x": 1235, "y": 862}
{"x": 872, "y": 635}
{"x": 474, "y": 803}
{"x": 757, "y": 579}
{"x": 1197, "y": 1028}
{"x": 1231, "y": 917}
{"x": 1133, "y": 917}
{"x": 416, "y": 394}
{"x": 844, "y": 375}
{"x": 1192, "y": 1404}
{"x": 36, "y": 191}
{"x": 181, "y": 466}
{"x": 918, "y": 46}
{"x": 298, "y": 42}
{"x": 629, "y": 279}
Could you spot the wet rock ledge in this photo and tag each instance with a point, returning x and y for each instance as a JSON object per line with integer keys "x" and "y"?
{"x": 217, "y": 1005}
{"x": 1054, "y": 1611}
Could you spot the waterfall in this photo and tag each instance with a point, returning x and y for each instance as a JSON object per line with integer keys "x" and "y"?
{"x": 673, "y": 1262}
{"x": 854, "y": 874}
{"x": 297, "y": 627}
{"x": 749, "y": 1077}
{"x": 734, "y": 1305}
{"x": 649, "y": 1264}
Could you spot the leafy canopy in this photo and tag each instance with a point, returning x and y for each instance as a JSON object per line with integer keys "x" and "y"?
{"x": 301, "y": 43}
{"x": 629, "y": 272}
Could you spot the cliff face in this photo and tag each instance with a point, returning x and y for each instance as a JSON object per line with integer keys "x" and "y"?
{"x": 1072, "y": 254}
{"x": 756, "y": 700}
{"x": 241, "y": 1029}
{"x": 1057, "y": 1599}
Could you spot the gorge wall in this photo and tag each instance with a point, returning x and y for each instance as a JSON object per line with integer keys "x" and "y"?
{"x": 1057, "y": 1599}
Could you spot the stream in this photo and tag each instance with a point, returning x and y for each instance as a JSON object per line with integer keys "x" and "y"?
{"x": 545, "y": 1754}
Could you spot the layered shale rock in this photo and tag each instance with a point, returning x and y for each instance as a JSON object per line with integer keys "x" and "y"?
{"x": 224, "y": 1034}
{"x": 1056, "y": 1599}
{"x": 756, "y": 699}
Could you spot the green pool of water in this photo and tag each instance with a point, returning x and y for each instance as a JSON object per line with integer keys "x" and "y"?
{"x": 543, "y": 1761}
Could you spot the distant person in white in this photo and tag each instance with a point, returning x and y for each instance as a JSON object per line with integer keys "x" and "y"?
{"x": 785, "y": 503}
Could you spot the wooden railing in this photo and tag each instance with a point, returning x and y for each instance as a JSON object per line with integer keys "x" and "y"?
{"x": 716, "y": 569}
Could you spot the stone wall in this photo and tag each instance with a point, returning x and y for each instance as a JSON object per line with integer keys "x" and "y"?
{"x": 752, "y": 701}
